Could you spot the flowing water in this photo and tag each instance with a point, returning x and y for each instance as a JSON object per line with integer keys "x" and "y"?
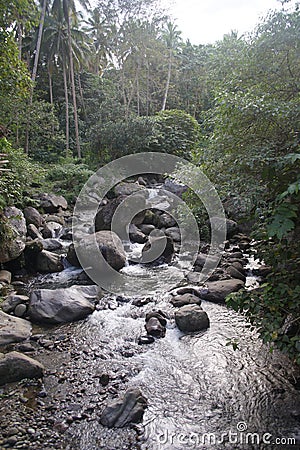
{"x": 201, "y": 392}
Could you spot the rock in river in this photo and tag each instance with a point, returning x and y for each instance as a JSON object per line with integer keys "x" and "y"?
{"x": 13, "y": 329}
{"x": 217, "y": 291}
{"x": 13, "y": 244}
{"x": 15, "y": 366}
{"x": 191, "y": 318}
{"x": 124, "y": 411}
{"x": 61, "y": 305}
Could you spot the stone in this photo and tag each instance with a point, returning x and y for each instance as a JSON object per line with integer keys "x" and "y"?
{"x": 110, "y": 246}
{"x": 202, "y": 258}
{"x": 33, "y": 217}
{"x": 262, "y": 271}
{"x": 158, "y": 315}
{"x": 105, "y": 213}
{"x": 48, "y": 262}
{"x": 13, "y": 234}
{"x": 53, "y": 203}
{"x": 187, "y": 290}
{"x": 62, "y": 305}
{"x": 231, "y": 227}
{"x": 167, "y": 221}
{"x": 13, "y": 300}
{"x": 185, "y": 299}
{"x": 235, "y": 273}
{"x": 20, "y": 310}
{"x": 33, "y": 232}
{"x": 124, "y": 188}
{"x": 122, "y": 412}
{"x": 5, "y": 276}
{"x": 155, "y": 328}
{"x": 51, "y": 244}
{"x": 15, "y": 366}
{"x": 72, "y": 257}
{"x": 13, "y": 329}
{"x": 174, "y": 187}
{"x": 145, "y": 340}
{"x": 173, "y": 233}
{"x": 146, "y": 228}
{"x": 55, "y": 228}
{"x": 158, "y": 249}
{"x": 136, "y": 235}
{"x": 191, "y": 318}
{"x": 217, "y": 291}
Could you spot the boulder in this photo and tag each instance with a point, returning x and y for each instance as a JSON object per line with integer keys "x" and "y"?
{"x": 122, "y": 412}
{"x": 5, "y": 277}
{"x": 13, "y": 234}
{"x": 13, "y": 300}
{"x": 62, "y": 305}
{"x": 174, "y": 187}
{"x": 55, "y": 229}
{"x": 202, "y": 258}
{"x": 53, "y": 203}
{"x": 191, "y": 318}
{"x": 47, "y": 262}
{"x": 231, "y": 226}
{"x": 124, "y": 188}
{"x": 109, "y": 244}
{"x": 235, "y": 273}
{"x": 15, "y": 366}
{"x": 105, "y": 214}
{"x": 155, "y": 328}
{"x": 217, "y": 291}
{"x": 146, "y": 228}
{"x": 13, "y": 329}
{"x": 185, "y": 299}
{"x": 136, "y": 235}
{"x": 174, "y": 234}
{"x": 159, "y": 249}
{"x": 33, "y": 217}
{"x": 72, "y": 257}
{"x": 167, "y": 221}
{"x": 20, "y": 310}
{"x": 33, "y": 232}
{"x": 51, "y": 244}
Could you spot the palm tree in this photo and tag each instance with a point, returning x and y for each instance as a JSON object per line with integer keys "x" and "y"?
{"x": 70, "y": 14}
{"x": 100, "y": 33}
{"x": 57, "y": 54}
{"x": 171, "y": 37}
{"x": 39, "y": 39}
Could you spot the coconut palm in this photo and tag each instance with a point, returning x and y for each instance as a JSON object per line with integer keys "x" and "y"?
{"x": 171, "y": 37}
{"x": 71, "y": 16}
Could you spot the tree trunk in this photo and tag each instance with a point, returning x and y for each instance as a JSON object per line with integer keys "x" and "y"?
{"x": 168, "y": 82}
{"x": 67, "y": 108}
{"x": 50, "y": 87}
{"x": 39, "y": 41}
{"x": 82, "y": 97}
{"x": 73, "y": 89}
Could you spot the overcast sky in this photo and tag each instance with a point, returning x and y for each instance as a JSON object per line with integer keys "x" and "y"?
{"x": 206, "y": 21}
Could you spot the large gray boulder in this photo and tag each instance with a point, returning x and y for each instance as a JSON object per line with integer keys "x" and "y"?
{"x": 122, "y": 412}
{"x": 15, "y": 366}
{"x": 125, "y": 188}
{"x": 158, "y": 249}
{"x": 13, "y": 329}
{"x": 13, "y": 234}
{"x": 191, "y": 318}
{"x": 61, "y": 305}
{"x": 53, "y": 203}
{"x": 217, "y": 291}
{"x": 48, "y": 262}
{"x": 231, "y": 227}
{"x": 33, "y": 217}
{"x": 110, "y": 246}
{"x": 185, "y": 299}
{"x": 134, "y": 203}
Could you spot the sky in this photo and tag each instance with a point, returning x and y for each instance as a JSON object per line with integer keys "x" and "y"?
{"x": 206, "y": 21}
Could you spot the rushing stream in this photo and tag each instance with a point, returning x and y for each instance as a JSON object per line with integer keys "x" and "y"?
{"x": 201, "y": 392}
